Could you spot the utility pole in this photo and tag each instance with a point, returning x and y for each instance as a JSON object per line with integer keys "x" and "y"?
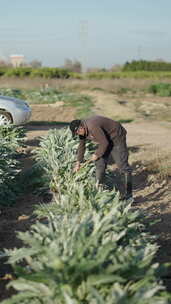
{"x": 139, "y": 52}
{"x": 83, "y": 39}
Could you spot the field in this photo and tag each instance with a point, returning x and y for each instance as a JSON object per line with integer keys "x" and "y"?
{"x": 145, "y": 115}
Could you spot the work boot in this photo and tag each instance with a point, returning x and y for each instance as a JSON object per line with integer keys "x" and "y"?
{"x": 101, "y": 187}
{"x": 100, "y": 170}
{"x": 127, "y": 187}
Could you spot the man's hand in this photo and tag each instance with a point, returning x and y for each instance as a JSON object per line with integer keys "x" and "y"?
{"x": 94, "y": 157}
{"x": 77, "y": 167}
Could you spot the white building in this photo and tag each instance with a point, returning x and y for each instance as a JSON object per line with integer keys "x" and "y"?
{"x": 17, "y": 60}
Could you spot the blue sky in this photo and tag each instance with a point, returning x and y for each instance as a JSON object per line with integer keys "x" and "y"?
{"x": 99, "y": 33}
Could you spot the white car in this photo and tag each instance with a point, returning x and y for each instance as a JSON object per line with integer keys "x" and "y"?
{"x": 13, "y": 111}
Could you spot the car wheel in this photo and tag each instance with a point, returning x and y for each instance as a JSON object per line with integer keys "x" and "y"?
{"x": 5, "y": 118}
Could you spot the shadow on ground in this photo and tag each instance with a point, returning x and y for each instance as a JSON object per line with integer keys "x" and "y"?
{"x": 45, "y": 125}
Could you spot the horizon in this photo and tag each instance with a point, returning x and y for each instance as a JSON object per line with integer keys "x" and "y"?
{"x": 97, "y": 34}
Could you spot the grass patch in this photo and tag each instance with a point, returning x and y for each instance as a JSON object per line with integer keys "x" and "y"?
{"x": 126, "y": 120}
{"x": 83, "y": 103}
{"x": 98, "y": 89}
{"x": 161, "y": 89}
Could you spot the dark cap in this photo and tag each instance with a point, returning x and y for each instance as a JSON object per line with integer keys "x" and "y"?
{"x": 74, "y": 126}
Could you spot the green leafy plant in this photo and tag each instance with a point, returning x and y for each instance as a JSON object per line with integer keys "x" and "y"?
{"x": 43, "y": 72}
{"x": 91, "y": 249}
{"x": 80, "y": 259}
{"x": 11, "y": 139}
{"x": 82, "y": 103}
{"x": 161, "y": 89}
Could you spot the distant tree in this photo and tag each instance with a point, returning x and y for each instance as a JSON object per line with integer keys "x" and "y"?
{"x": 160, "y": 60}
{"x": 73, "y": 66}
{"x": 103, "y": 70}
{"x": 143, "y": 65}
{"x": 116, "y": 68}
{"x": 3, "y": 63}
{"x": 35, "y": 63}
{"x": 77, "y": 67}
{"x": 68, "y": 64}
{"x": 94, "y": 70}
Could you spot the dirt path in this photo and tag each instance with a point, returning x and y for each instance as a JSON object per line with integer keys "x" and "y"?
{"x": 139, "y": 131}
{"x": 148, "y": 141}
{"x": 106, "y": 104}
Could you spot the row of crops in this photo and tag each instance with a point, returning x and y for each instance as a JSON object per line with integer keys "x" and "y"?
{"x": 44, "y": 95}
{"x": 81, "y": 102}
{"x": 136, "y": 70}
{"x": 86, "y": 246}
{"x": 10, "y": 140}
{"x": 34, "y": 72}
{"x": 52, "y": 95}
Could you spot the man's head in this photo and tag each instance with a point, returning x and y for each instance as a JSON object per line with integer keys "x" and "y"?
{"x": 77, "y": 128}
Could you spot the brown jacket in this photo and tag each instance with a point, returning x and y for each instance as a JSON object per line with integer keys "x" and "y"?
{"x": 102, "y": 131}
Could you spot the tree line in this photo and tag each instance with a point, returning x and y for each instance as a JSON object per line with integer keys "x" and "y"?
{"x": 143, "y": 65}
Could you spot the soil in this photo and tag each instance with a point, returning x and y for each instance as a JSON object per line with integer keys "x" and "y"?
{"x": 151, "y": 193}
{"x": 52, "y": 112}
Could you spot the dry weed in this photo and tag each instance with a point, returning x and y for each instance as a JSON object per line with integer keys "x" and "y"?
{"x": 160, "y": 164}
{"x": 108, "y": 85}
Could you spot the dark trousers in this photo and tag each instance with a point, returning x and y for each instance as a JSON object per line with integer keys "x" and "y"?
{"x": 119, "y": 152}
